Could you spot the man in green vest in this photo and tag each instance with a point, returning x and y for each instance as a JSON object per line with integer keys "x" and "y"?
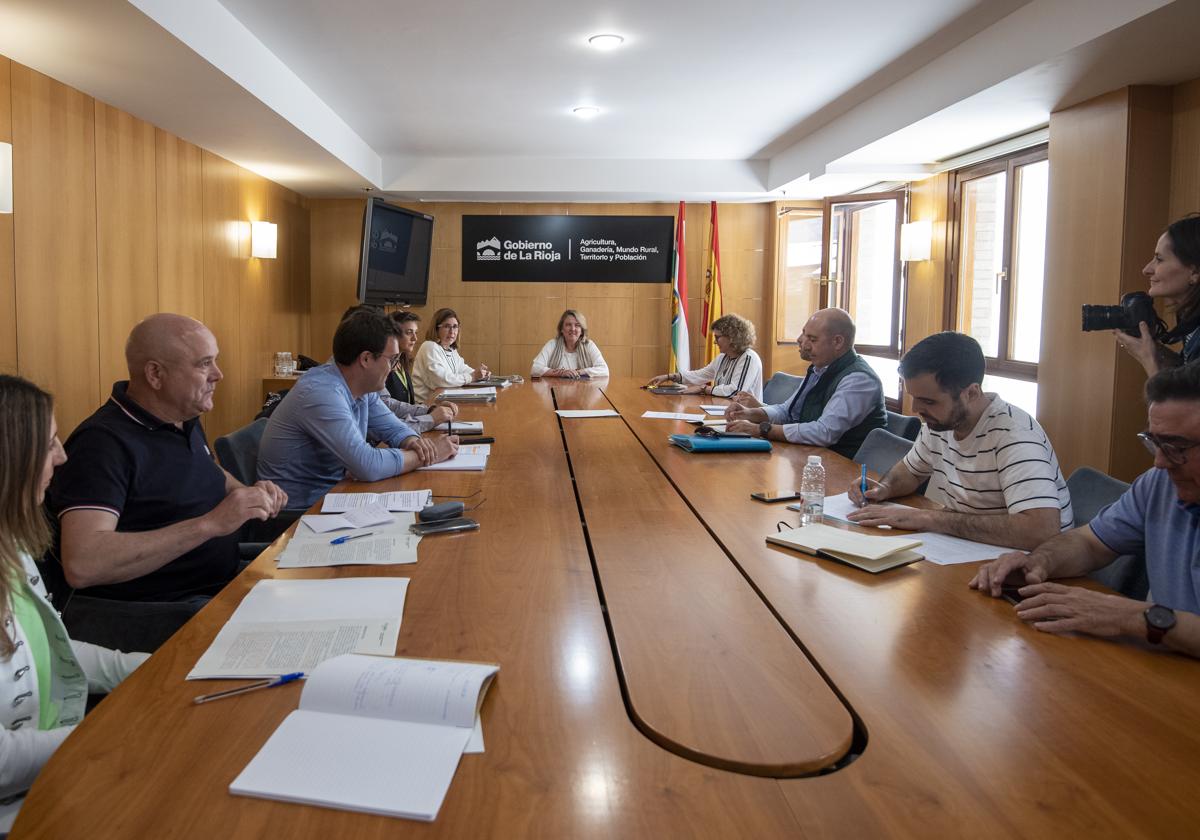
{"x": 837, "y": 405}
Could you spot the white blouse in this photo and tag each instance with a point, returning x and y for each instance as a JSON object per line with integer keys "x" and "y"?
{"x": 730, "y": 375}
{"x": 438, "y": 367}
{"x": 571, "y": 361}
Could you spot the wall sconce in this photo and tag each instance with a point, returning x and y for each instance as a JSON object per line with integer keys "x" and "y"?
{"x": 916, "y": 241}
{"x": 6, "y": 178}
{"x": 264, "y": 237}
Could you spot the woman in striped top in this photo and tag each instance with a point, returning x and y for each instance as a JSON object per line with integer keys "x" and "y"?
{"x": 736, "y": 368}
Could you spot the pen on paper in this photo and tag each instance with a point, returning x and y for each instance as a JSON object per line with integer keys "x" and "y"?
{"x": 233, "y": 692}
{"x": 863, "y": 485}
{"x": 348, "y": 537}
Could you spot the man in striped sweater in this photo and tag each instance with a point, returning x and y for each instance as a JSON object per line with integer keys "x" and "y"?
{"x": 988, "y": 463}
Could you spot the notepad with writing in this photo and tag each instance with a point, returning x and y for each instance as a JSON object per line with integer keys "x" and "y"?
{"x": 372, "y": 734}
{"x": 864, "y": 551}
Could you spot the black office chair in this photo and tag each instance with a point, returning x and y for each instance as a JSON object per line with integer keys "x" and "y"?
{"x": 237, "y": 452}
{"x": 1092, "y": 490}
{"x": 780, "y": 387}
{"x": 882, "y": 450}
{"x": 903, "y": 425}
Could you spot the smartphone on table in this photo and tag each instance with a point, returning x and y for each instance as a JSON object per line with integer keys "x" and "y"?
{"x": 776, "y": 495}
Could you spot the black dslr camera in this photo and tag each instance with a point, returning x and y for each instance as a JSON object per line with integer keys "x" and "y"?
{"x": 1135, "y": 307}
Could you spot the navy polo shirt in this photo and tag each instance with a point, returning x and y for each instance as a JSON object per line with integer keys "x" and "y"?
{"x": 149, "y": 474}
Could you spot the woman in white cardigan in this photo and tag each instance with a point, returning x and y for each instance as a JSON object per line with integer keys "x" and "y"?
{"x": 438, "y": 364}
{"x": 736, "y": 368}
{"x": 570, "y": 354}
{"x": 44, "y": 676}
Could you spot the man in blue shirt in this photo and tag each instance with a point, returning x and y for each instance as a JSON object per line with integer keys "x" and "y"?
{"x": 325, "y": 429}
{"x": 1157, "y": 518}
{"x": 837, "y": 405}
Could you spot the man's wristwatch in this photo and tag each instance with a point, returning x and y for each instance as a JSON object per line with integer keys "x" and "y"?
{"x": 1159, "y": 620}
{"x": 764, "y": 429}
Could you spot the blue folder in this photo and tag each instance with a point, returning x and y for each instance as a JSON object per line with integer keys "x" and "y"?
{"x": 695, "y": 443}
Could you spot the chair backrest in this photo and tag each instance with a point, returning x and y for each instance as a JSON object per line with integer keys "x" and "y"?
{"x": 780, "y": 387}
{"x": 238, "y": 451}
{"x": 903, "y": 425}
{"x": 1091, "y": 490}
{"x": 881, "y": 450}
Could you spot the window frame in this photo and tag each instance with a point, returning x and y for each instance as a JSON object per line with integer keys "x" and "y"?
{"x": 1002, "y": 364}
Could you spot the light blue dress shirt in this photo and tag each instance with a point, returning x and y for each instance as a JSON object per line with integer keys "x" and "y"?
{"x": 849, "y": 405}
{"x": 319, "y": 434}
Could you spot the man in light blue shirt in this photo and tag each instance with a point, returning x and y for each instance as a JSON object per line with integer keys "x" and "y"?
{"x": 1158, "y": 519}
{"x": 837, "y": 405}
{"x": 325, "y": 429}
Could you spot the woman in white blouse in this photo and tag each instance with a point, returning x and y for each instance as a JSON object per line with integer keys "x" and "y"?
{"x": 570, "y": 354}
{"x": 438, "y": 364}
{"x": 44, "y": 676}
{"x": 736, "y": 368}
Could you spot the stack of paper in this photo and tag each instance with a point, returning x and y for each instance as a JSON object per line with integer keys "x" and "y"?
{"x": 462, "y": 427}
{"x": 387, "y": 543}
{"x": 673, "y": 415}
{"x": 396, "y": 501}
{"x": 382, "y": 736}
{"x": 469, "y": 394}
{"x": 586, "y": 412}
{"x": 284, "y": 626}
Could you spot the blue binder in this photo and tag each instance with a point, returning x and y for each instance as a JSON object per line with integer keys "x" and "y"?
{"x": 695, "y": 443}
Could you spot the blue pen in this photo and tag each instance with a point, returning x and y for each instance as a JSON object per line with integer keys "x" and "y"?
{"x": 217, "y": 695}
{"x": 863, "y": 486}
{"x": 348, "y": 537}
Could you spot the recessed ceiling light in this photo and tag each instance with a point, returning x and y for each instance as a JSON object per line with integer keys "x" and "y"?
{"x": 585, "y": 112}
{"x": 606, "y": 42}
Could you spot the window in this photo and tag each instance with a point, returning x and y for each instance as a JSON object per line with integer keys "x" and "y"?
{"x": 799, "y": 271}
{"x": 998, "y": 266}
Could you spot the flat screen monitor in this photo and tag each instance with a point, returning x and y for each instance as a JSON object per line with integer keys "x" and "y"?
{"x": 396, "y": 249}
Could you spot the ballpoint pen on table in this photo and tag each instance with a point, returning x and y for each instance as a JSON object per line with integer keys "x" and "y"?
{"x": 348, "y": 537}
{"x": 231, "y": 692}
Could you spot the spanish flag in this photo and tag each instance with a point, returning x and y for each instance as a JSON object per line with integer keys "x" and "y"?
{"x": 714, "y": 306}
{"x": 680, "y": 353}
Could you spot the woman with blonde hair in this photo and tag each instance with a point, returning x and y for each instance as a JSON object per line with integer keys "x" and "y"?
{"x": 570, "y": 354}
{"x": 736, "y": 368}
{"x": 438, "y": 363}
{"x": 44, "y": 676}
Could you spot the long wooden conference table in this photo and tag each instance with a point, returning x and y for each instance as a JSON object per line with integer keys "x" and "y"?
{"x": 666, "y": 673}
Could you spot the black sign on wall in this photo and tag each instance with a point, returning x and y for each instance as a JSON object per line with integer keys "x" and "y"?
{"x": 567, "y": 249}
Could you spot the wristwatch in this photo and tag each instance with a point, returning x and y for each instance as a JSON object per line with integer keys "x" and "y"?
{"x": 764, "y": 429}
{"x": 1159, "y": 620}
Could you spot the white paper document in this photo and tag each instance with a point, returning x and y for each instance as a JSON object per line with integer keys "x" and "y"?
{"x": 467, "y": 448}
{"x": 378, "y": 735}
{"x": 462, "y": 426}
{"x": 467, "y": 393}
{"x": 714, "y": 409}
{"x": 945, "y": 550}
{"x": 358, "y": 517}
{"x": 586, "y": 412}
{"x": 840, "y": 507}
{"x": 673, "y": 415}
{"x": 283, "y": 626}
{"x": 390, "y": 549}
{"x": 395, "y": 501}
{"x": 464, "y": 460}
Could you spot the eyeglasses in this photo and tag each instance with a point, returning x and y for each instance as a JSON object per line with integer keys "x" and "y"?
{"x": 1175, "y": 453}
{"x": 392, "y": 360}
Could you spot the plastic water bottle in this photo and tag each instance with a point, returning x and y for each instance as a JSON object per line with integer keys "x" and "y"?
{"x": 812, "y": 491}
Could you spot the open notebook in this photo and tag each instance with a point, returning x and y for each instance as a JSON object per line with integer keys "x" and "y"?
{"x": 864, "y": 551}
{"x": 372, "y": 734}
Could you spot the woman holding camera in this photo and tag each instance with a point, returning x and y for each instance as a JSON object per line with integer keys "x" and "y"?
{"x": 1174, "y": 274}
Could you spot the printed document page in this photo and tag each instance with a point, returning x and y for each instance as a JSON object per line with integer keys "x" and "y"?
{"x": 397, "y": 501}
{"x": 945, "y": 550}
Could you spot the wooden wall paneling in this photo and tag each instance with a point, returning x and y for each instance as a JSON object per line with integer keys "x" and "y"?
{"x": 531, "y": 320}
{"x": 180, "y": 225}
{"x": 295, "y": 287}
{"x": 335, "y": 232}
{"x": 1088, "y": 147}
{"x": 54, "y": 196}
{"x": 8, "y": 279}
{"x": 929, "y": 200}
{"x": 126, "y": 233}
{"x": 1147, "y": 194}
{"x": 262, "y": 323}
{"x": 1185, "y": 150}
{"x": 224, "y": 271}
{"x": 518, "y": 358}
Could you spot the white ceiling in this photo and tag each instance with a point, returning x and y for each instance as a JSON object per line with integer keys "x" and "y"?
{"x": 471, "y": 100}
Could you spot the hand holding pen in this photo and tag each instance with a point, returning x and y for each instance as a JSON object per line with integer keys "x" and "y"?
{"x": 865, "y": 491}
